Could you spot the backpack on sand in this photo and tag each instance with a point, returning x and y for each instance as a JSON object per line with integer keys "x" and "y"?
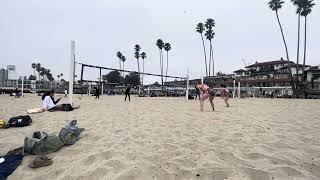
{"x": 71, "y": 133}
{"x": 41, "y": 143}
{"x": 19, "y": 121}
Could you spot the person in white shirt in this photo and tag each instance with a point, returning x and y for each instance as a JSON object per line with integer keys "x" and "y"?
{"x": 65, "y": 92}
{"x": 49, "y": 104}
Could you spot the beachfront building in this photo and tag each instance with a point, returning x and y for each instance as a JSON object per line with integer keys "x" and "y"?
{"x": 269, "y": 74}
{"x": 313, "y": 77}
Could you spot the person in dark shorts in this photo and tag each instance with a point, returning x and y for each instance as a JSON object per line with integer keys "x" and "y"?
{"x": 97, "y": 93}
{"x": 197, "y": 93}
{"x": 127, "y": 93}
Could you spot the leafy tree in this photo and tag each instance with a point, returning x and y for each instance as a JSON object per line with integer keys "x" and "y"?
{"x": 220, "y": 73}
{"x": 32, "y": 77}
{"x": 132, "y": 79}
{"x": 112, "y": 77}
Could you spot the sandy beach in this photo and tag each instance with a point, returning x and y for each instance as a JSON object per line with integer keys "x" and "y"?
{"x": 168, "y": 138}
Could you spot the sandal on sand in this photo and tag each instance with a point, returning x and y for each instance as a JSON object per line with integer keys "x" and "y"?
{"x": 40, "y": 162}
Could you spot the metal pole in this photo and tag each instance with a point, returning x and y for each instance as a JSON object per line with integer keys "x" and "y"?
{"x": 234, "y": 87}
{"x": 102, "y": 89}
{"x": 89, "y": 93}
{"x": 239, "y": 89}
{"x": 201, "y": 79}
{"x": 71, "y": 78}
{"x": 22, "y": 86}
{"x": 253, "y": 91}
{"x": 187, "y": 88}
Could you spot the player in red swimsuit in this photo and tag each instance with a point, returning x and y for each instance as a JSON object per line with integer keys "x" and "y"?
{"x": 206, "y": 93}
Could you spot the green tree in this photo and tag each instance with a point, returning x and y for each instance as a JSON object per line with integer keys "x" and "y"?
{"x": 112, "y": 77}
{"x": 167, "y": 47}
{"x": 32, "y": 77}
{"x": 160, "y": 45}
{"x": 276, "y": 5}
{"x": 132, "y": 79}
{"x": 220, "y": 73}
{"x": 200, "y": 29}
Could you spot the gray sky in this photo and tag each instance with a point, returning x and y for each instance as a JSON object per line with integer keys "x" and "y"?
{"x": 41, "y": 31}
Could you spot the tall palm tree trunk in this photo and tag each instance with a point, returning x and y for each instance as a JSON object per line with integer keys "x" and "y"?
{"x": 287, "y": 54}
{"x": 305, "y": 49}
{"x": 167, "y": 65}
{"x": 205, "y": 55}
{"x": 210, "y": 59}
{"x": 143, "y": 71}
{"x": 123, "y": 71}
{"x": 298, "y": 53}
{"x": 161, "y": 67}
{"x": 138, "y": 70}
{"x": 119, "y": 63}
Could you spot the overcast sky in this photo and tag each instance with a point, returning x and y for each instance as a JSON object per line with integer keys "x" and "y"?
{"x": 41, "y": 31}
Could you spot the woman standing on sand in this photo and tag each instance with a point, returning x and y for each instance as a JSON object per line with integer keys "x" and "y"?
{"x": 206, "y": 93}
{"x": 225, "y": 94}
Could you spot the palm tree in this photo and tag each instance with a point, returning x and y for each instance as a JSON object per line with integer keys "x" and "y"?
{"x": 137, "y": 49}
{"x": 119, "y": 55}
{"x": 275, "y": 5}
{"x": 210, "y": 23}
{"x": 160, "y": 45}
{"x": 61, "y": 74}
{"x": 297, "y": 3}
{"x": 38, "y": 69}
{"x": 58, "y": 76}
{"x": 167, "y": 47}
{"x": 143, "y": 56}
{"x": 34, "y": 65}
{"x": 306, "y": 6}
{"x": 200, "y": 30}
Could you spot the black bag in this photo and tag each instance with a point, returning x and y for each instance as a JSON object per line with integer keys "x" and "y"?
{"x": 19, "y": 121}
{"x": 67, "y": 107}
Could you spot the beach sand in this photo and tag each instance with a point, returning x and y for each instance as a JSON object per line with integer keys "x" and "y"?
{"x": 168, "y": 138}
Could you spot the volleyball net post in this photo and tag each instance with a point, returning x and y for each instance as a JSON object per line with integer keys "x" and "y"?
{"x": 187, "y": 87}
{"x": 72, "y": 69}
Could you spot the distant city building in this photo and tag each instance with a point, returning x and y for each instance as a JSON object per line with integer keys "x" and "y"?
{"x": 3, "y": 77}
{"x": 12, "y": 74}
